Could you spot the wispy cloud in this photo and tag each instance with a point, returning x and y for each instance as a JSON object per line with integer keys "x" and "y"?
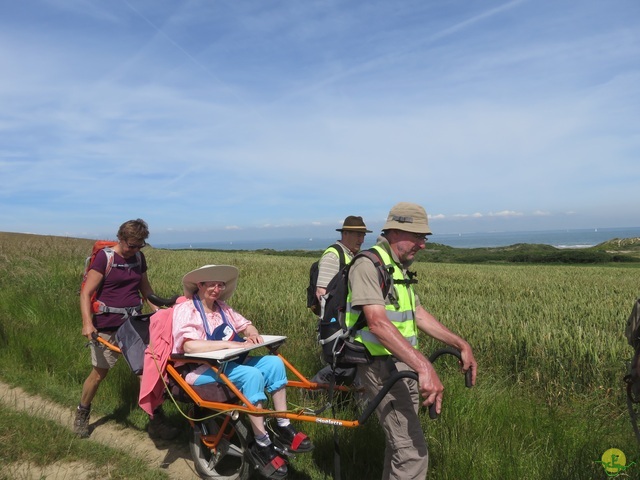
{"x": 268, "y": 116}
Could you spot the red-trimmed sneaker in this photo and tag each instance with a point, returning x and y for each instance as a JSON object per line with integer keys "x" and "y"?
{"x": 287, "y": 437}
{"x": 268, "y": 462}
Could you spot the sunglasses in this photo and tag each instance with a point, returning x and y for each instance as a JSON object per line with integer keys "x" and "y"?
{"x": 134, "y": 246}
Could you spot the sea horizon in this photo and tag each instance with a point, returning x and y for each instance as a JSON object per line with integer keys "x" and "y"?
{"x": 565, "y": 238}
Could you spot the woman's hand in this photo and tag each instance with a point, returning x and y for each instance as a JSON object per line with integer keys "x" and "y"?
{"x": 254, "y": 338}
{"x": 88, "y": 330}
{"x": 251, "y": 335}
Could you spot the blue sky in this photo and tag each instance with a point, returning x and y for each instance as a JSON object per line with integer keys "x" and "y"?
{"x": 228, "y": 120}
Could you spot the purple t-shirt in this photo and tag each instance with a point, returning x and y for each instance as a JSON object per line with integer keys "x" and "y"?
{"x": 120, "y": 288}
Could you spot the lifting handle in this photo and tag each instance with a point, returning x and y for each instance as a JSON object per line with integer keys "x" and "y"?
{"x": 413, "y": 376}
{"x": 467, "y": 375}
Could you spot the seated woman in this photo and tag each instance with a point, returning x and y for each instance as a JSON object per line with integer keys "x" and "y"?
{"x": 206, "y": 323}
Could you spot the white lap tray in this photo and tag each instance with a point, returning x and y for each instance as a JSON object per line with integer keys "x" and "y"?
{"x": 230, "y": 353}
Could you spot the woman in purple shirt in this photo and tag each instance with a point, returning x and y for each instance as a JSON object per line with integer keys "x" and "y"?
{"x": 118, "y": 295}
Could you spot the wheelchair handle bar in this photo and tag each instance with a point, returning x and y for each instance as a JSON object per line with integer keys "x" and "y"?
{"x": 413, "y": 376}
{"x": 162, "y": 302}
{"x": 467, "y": 375}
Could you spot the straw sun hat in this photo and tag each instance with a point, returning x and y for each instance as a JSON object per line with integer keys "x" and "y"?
{"x": 211, "y": 273}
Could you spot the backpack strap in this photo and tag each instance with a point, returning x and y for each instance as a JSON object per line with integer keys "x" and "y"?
{"x": 385, "y": 279}
{"x": 110, "y": 253}
{"x": 99, "y": 307}
{"x": 341, "y": 255}
{"x": 385, "y": 273}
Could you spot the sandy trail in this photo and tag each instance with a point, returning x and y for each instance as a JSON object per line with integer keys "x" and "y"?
{"x": 172, "y": 458}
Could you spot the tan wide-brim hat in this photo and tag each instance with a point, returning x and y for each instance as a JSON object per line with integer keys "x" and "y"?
{"x": 211, "y": 273}
{"x": 408, "y": 217}
{"x": 353, "y": 224}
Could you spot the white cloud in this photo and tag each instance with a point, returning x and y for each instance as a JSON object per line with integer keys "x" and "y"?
{"x": 278, "y": 115}
{"x": 505, "y": 213}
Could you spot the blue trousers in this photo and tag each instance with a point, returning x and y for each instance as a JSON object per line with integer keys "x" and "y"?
{"x": 251, "y": 377}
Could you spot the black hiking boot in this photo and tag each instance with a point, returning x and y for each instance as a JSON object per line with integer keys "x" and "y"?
{"x": 159, "y": 427}
{"x": 268, "y": 463}
{"x": 81, "y": 422}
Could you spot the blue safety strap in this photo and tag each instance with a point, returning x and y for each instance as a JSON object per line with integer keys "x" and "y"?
{"x": 210, "y": 335}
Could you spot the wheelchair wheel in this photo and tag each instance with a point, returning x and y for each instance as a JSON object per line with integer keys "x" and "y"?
{"x": 220, "y": 457}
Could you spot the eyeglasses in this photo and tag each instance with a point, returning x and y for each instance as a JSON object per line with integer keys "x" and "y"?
{"x": 134, "y": 247}
{"x": 221, "y": 286}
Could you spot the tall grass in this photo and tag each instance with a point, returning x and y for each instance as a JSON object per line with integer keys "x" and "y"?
{"x": 549, "y": 341}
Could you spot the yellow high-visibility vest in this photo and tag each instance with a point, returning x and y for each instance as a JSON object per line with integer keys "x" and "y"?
{"x": 401, "y": 312}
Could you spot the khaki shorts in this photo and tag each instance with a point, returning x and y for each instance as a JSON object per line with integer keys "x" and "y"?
{"x": 101, "y": 356}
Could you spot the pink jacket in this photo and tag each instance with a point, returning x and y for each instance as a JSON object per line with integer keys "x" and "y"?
{"x": 155, "y": 359}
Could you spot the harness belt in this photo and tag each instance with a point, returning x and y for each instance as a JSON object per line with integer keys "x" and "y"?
{"x": 126, "y": 312}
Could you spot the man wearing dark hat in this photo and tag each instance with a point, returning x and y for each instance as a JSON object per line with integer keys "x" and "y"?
{"x": 335, "y": 257}
{"x": 352, "y": 236}
{"x": 391, "y": 338}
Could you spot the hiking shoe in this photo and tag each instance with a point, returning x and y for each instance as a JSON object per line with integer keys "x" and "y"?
{"x": 268, "y": 462}
{"x": 81, "y": 422}
{"x": 159, "y": 427}
{"x": 287, "y": 437}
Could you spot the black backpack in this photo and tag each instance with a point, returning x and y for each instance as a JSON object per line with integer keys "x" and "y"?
{"x": 339, "y": 349}
{"x": 312, "y": 300}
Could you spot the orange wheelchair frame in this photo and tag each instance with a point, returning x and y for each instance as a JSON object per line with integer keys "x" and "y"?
{"x": 220, "y": 435}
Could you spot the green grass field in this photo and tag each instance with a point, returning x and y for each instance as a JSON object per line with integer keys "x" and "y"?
{"x": 549, "y": 340}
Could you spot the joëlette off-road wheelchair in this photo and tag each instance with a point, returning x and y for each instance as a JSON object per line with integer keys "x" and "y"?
{"x": 220, "y": 433}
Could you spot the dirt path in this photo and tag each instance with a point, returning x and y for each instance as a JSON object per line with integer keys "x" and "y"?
{"x": 173, "y": 459}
